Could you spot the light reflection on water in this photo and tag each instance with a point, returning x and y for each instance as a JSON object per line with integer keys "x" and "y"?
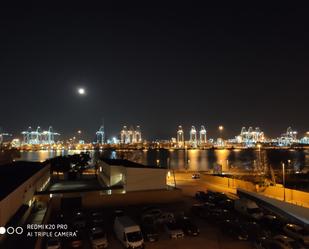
{"x": 42, "y": 155}
{"x": 196, "y": 160}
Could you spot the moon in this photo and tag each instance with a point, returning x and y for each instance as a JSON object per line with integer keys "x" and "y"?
{"x": 81, "y": 91}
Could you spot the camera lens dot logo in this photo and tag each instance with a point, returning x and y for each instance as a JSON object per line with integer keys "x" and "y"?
{"x": 10, "y": 230}
{"x": 2, "y": 230}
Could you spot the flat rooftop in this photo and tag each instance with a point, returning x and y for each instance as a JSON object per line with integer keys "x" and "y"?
{"x": 14, "y": 174}
{"x": 128, "y": 164}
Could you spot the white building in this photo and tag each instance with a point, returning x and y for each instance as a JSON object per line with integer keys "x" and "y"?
{"x": 19, "y": 182}
{"x": 131, "y": 176}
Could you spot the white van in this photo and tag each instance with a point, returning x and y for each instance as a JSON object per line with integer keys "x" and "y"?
{"x": 128, "y": 232}
{"x": 248, "y": 208}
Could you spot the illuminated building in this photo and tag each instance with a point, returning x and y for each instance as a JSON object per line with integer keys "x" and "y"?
{"x": 123, "y": 135}
{"x": 251, "y": 136}
{"x": 304, "y": 140}
{"x": 137, "y": 138}
{"x": 130, "y": 136}
{"x": 100, "y": 135}
{"x": 203, "y": 135}
{"x": 288, "y": 138}
{"x": 193, "y": 137}
{"x": 180, "y": 136}
{"x": 16, "y": 143}
{"x": 39, "y": 137}
{"x": 2, "y": 134}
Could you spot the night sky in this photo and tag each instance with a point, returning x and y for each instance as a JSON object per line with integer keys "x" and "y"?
{"x": 154, "y": 65}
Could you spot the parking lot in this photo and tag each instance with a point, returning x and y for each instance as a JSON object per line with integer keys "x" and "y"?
{"x": 214, "y": 214}
{"x": 210, "y": 235}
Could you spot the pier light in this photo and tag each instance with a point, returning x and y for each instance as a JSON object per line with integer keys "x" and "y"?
{"x": 221, "y": 128}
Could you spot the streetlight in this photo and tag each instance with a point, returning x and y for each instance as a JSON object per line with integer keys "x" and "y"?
{"x": 283, "y": 180}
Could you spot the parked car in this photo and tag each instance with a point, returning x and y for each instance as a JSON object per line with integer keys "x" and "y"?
{"x": 53, "y": 243}
{"x": 79, "y": 220}
{"x": 153, "y": 212}
{"x": 98, "y": 238}
{"x": 226, "y": 204}
{"x": 218, "y": 214}
{"x": 201, "y": 196}
{"x": 297, "y": 232}
{"x": 118, "y": 213}
{"x": 196, "y": 176}
{"x": 266, "y": 243}
{"x": 149, "y": 229}
{"x": 96, "y": 219}
{"x": 188, "y": 226}
{"x": 197, "y": 208}
{"x": 255, "y": 231}
{"x": 174, "y": 230}
{"x": 163, "y": 218}
{"x": 248, "y": 208}
{"x": 200, "y": 210}
{"x": 272, "y": 223}
{"x": 287, "y": 242}
{"x": 76, "y": 242}
{"x": 234, "y": 228}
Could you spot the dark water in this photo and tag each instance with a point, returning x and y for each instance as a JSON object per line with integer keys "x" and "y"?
{"x": 205, "y": 160}
{"x": 199, "y": 160}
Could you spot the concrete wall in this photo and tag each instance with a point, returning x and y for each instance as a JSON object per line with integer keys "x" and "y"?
{"x": 229, "y": 182}
{"x": 145, "y": 179}
{"x": 297, "y": 197}
{"x": 118, "y": 175}
{"x": 22, "y": 195}
{"x": 111, "y": 175}
{"x": 133, "y": 179}
{"x": 293, "y": 196}
{"x": 96, "y": 199}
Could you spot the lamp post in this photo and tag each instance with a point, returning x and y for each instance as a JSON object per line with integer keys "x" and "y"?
{"x": 283, "y": 180}
{"x": 169, "y": 168}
